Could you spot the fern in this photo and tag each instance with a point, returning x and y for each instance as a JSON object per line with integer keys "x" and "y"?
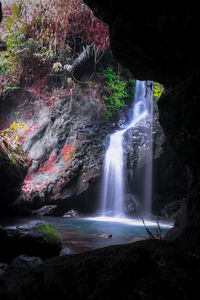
{"x": 157, "y": 90}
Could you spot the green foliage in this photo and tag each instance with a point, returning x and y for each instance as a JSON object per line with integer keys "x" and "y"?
{"x": 88, "y": 153}
{"x": 50, "y": 233}
{"x": 13, "y": 32}
{"x": 90, "y": 83}
{"x": 117, "y": 90}
{"x": 157, "y": 90}
{"x": 12, "y": 135}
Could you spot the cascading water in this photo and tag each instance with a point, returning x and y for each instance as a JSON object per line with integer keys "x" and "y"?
{"x": 113, "y": 185}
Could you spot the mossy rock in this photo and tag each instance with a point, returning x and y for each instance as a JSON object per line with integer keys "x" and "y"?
{"x": 32, "y": 239}
{"x": 50, "y": 234}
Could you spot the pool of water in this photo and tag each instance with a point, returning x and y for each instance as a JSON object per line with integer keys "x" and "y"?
{"x": 82, "y": 234}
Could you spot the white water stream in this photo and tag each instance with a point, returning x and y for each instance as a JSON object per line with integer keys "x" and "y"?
{"x": 113, "y": 185}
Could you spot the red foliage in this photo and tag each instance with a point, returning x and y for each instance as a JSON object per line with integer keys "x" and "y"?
{"x": 67, "y": 152}
{"x": 65, "y": 20}
{"x": 89, "y": 28}
{"x": 49, "y": 165}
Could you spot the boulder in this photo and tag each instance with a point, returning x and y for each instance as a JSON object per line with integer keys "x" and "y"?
{"x": 23, "y": 262}
{"x": 35, "y": 238}
{"x": 66, "y": 251}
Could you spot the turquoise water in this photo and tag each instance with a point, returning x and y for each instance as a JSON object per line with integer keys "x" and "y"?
{"x": 82, "y": 234}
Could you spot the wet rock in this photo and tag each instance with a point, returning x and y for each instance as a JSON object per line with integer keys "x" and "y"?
{"x": 35, "y": 238}
{"x": 132, "y": 206}
{"x": 105, "y": 235}
{"x": 72, "y": 213}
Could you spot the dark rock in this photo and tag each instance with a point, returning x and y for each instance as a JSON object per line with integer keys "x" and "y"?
{"x": 179, "y": 109}
{"x": 33, "y": 239}
{"x": 142, "y": 270}
{"x": 12, "y": 174}
{"x": 134, "y": 38}
{"x": 24, "y": 263}
{"x": 171, "y": 209}
{"x": 170, "y": 177}
{"x": 3, "y": 268}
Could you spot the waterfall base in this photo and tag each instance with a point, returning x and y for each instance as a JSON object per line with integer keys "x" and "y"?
{"x": 133, "y": 222}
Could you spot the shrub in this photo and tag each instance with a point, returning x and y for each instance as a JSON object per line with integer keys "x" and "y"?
{"x": 39, "y": 35}
{"x": 11, "y": 135}
{"x": 118, "y": 90}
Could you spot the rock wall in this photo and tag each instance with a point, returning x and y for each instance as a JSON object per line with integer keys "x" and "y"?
{"x": 64, "y": 139}
{"x": 179, "y": 109}
{"x": 63, "y": 144}
{"x": 169, "y": 175}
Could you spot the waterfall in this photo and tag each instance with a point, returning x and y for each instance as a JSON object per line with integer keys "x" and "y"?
{"x": 113, "y": 183}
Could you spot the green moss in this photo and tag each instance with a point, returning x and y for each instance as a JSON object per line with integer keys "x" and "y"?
{"x": 51, "y": 235}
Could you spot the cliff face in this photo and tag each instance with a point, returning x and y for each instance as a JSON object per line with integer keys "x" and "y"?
{"x": 161, "y": 43}
{"x": 63, "y": 144}
{"x": 65, "y": 153}
{"x": 169, "y": 175}
{"x": 63, "y": 135}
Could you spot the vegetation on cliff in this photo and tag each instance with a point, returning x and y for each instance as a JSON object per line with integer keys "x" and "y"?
{"x": 157, "y": 90}
{"x": 47, "y": 41}
{"x": 40, "y": 35}
{"x": 117, "y": 91}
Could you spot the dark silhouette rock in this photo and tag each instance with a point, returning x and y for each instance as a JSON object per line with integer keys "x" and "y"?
{"x": 154, "y": 42}
{"x": 142, "y": 270}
